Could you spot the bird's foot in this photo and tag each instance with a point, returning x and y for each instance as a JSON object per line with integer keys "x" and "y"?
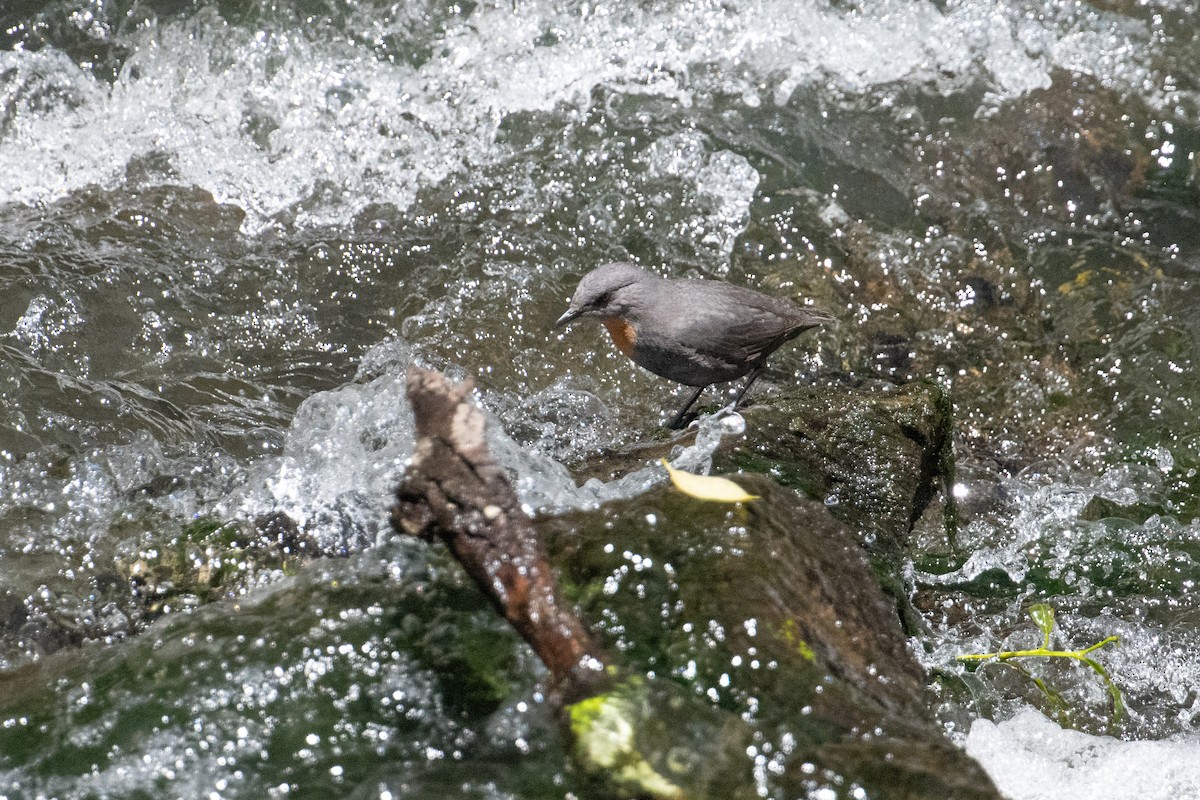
{"x": 730, "y": 419}
{"x": 682, "y": 422}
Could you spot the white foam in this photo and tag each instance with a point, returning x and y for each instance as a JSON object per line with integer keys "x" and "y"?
{"x": 1031, "y": 758}
{"x": 336, "y": 122}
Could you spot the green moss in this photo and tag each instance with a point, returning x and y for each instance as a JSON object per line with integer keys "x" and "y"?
{"x": 604, "y": 729}
{"x": 790, "y": 634}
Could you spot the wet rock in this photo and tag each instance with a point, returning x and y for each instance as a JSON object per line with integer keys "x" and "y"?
{"x": 875, "y": 455}
{"x": 812, "y": 587}
{"x": 13, "y": 613}
{"x": 772, "y": 617}
{"x": 158, "y": 486}
{"x": 278, "y": 530}
{"x": 148, "y": 169}
{"x": 211, "y": 559}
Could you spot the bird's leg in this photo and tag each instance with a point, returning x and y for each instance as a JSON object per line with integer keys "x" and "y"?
{"x": 677, "y": 423}
{"x": 732, "y": 407}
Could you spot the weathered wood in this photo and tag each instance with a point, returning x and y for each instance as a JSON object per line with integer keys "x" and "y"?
{"x": 456, "y": 492}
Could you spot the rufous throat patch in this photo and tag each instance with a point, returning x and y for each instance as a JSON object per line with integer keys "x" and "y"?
{"x": 623, "y": 334}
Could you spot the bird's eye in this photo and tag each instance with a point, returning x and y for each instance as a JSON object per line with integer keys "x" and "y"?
{"x": 603, "y": 300}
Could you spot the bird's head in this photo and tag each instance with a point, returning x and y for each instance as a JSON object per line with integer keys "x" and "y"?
{"x": 607, "y": 291}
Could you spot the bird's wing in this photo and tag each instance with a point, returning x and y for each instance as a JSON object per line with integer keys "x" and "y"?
{"x": 742, "y": 326}
{"x": 701, "y": 332}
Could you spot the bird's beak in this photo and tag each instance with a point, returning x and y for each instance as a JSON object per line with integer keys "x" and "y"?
{"x": 568, "y": 315}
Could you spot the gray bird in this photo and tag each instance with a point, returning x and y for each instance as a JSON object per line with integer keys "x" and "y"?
{"x": 694, "y": 332}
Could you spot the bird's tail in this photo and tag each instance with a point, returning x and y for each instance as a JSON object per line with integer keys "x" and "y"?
{"x": 811, "y": 318}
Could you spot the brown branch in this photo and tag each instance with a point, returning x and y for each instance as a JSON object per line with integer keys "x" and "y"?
{"x": 455, "y": 491}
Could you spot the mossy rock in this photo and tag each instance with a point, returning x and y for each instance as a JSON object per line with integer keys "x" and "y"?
{"x": 771, "y": 619}
{"x": 875, "y": 455}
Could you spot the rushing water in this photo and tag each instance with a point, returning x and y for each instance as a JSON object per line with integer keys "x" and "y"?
{"x": 227, "y": 228}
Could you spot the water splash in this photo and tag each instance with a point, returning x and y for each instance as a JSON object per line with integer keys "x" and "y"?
{"x": 347, "y": 449}
{"x": 1050, "y": 530}
{"x": 1032, "y": 758}
{"x": 310, "y": 127}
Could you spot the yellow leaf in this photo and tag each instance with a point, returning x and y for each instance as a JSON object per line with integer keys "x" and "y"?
{"x": 706, "y": 487}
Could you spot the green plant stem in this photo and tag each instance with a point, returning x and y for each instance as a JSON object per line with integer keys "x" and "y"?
{"x": 1079, "y": 655}
{"x": 1005, "y": 655}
